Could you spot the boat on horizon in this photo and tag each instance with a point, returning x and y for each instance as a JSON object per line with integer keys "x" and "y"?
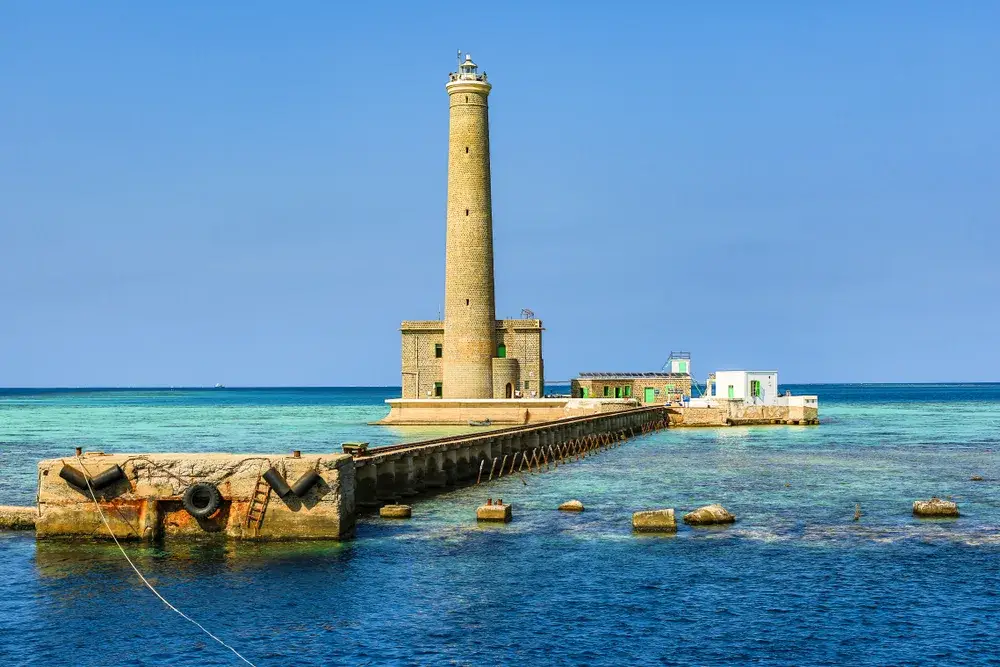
{"x": 219, "y": 385}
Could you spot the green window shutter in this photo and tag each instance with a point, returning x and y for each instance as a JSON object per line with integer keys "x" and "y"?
{"x": 683, "y": 367}
{"x": 502, "y": 351}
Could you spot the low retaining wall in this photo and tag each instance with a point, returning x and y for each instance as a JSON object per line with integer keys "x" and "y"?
{"x": 510, "y": 411}
{"x": 146, "y": 503}
{"x": 17, "y": 518}
{"x": 736, "y": 413}
{"x": 388, "y": 474}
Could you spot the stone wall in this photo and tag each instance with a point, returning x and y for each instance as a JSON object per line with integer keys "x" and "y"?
{"x": 737, "y": 413}
{"x": 146, "y": 504}
{"x": 671, "y": 387}
{"x": 523, "y": 340}
{"x": 422, "y": 369}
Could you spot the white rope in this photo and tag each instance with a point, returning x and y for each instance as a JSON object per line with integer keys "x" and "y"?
{"x": 86, "y": 476}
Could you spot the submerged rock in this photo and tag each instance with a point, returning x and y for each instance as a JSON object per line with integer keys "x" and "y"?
{"x": 17, "y": 518}
{"x": 654, "y": 521}
{"x": 571, "y": 506}
{"x": 395, "y": 512}
{"x": 935, "y": 507}
{"x": 709, "y": 515}
{"x": 976, "y": 478}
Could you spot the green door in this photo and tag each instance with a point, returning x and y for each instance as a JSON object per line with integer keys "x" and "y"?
{"x": 732, "y": 391}
{"x": 648, "y": 396}
{"x": 683, "y": 367}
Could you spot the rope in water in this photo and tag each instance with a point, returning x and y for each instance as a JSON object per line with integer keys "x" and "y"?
{"x": 149, "y": 585}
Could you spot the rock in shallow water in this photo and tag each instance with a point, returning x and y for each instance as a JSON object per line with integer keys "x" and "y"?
{"x": 654, "y": 521}
{"x": 571, "y": 506}
{"x": 395, "y": 512}
{"x": 17, "y": 518}
{"x": 709, "y": 515}
{"x": 934, "y": 507}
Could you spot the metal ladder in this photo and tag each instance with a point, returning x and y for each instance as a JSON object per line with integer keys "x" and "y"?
{"x": 257, "y": 507}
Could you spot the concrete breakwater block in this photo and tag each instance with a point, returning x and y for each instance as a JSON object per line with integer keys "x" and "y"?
{"x": 935, "y": 507}
{"x": 17, "y": 518}
{"x": 709, "y": 515}
{"x": 654, "y": 521}
{"x": 491, "y": 512}
{"x": 395, "y": 512}
{"x": 571, "y": 506}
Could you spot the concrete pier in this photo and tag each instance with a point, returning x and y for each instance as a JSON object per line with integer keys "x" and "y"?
{"x": 146, "y": 500}
{"x": 456, "y": 460}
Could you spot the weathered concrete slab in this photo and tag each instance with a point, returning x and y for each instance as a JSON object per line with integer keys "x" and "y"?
{"x": 147, "y": 502}
{"x": 654, "y": 521}
{"x": 17, "y": 518}
{"x": 497, "y": 513}
{"x": 395, "y": 511}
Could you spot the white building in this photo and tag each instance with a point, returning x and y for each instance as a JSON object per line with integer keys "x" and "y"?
{"x": 678, "y": 363}
{"x": 753, "y": 387}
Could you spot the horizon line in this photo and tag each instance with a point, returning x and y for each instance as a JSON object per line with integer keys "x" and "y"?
{"x": 390, "y": 386}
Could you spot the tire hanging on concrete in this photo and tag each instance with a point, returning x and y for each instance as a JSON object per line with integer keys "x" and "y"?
{"x": 202, "y": 500}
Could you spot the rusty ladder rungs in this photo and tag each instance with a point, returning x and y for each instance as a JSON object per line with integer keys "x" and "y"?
{"x": 258, "y": 504}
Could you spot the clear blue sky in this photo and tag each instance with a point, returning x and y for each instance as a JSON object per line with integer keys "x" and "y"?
{"x": 253, "y": 193}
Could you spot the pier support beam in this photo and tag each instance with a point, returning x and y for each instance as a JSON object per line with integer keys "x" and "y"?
{"x": 385, "y": 481}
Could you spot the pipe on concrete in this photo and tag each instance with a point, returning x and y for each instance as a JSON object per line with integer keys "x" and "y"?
{"x": 277, "y": 483}
{"x": 306, "y": 482}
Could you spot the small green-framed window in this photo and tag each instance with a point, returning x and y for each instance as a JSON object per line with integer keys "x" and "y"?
{"x": 438, "y": 350}
{"x": 607, "y": 390}
{"x": 438, "y": 390}
{"x": 501, "y": 351}
{"x": 628, "y": 391}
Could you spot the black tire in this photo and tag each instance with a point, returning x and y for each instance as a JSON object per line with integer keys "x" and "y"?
{"x": 202, "y": 500}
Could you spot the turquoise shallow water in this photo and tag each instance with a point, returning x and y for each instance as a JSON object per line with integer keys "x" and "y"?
{"x": 794, "y": 582}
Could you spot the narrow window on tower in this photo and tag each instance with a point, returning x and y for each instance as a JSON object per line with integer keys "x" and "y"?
{"x": 466, "y": 302}
{"x": 466, "y": 149}
{"x": 467, "y": 211}
{"x": 466, "y": 98}
{"x": 438, "y": 350}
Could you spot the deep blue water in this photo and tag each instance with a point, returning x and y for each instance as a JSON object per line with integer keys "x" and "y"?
{"x": 794, "y": 582}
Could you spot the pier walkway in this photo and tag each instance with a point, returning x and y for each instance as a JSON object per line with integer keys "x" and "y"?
{"x": 387, "y": 474}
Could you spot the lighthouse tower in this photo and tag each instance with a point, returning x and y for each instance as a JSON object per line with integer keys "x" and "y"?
{"x": 469, "y": 307}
